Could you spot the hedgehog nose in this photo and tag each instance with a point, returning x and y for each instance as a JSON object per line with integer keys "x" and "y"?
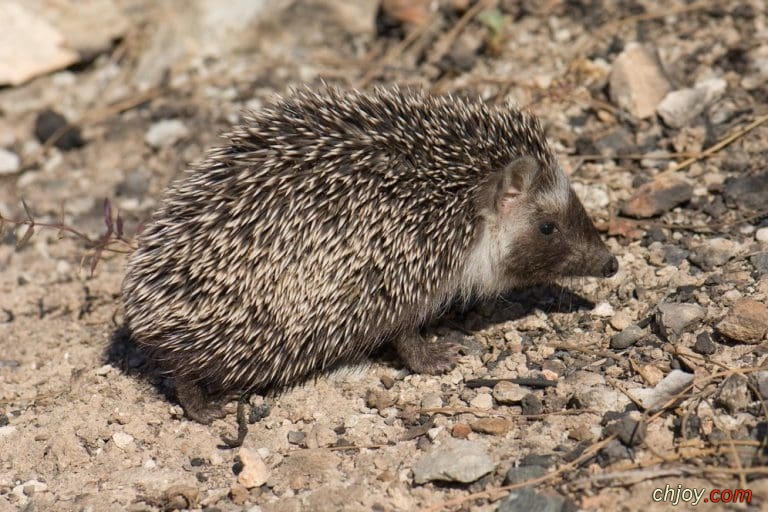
{"x": 610, "y": 267}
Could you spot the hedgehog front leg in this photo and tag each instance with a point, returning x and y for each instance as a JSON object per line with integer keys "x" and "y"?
{"x": 197, "y": 404}
{"x": 420, "y": 356}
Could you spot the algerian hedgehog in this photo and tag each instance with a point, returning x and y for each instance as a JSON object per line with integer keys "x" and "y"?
{"x": 332, "y": 222}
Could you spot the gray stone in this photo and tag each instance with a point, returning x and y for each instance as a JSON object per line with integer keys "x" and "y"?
{"x": 523, "y": 474}
{"x": 675, "y": 319}
{"x": 165, "y": 133}
{"x": 528, "y": 500}
{"x": 714, "y": 252}
{"x": 10, "y": 163}
{"x": 627, "y": 337}
{"x": 453, "y": 461}
{"x": 760, "y": 262}
{"x": 734, "y": 394}
{"x": 747, "y": 192}
{"x": 704, "y": 344}
{"x": 679, "y": 107}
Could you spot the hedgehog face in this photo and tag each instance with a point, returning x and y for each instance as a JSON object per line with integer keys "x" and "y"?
{"x": 558, "y": 240}
{"x": 534, "y": 230}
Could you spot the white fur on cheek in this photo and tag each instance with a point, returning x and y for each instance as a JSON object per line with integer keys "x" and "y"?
{"x": 483, "y": 273}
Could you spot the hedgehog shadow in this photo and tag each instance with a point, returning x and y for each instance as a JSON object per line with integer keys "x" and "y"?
{"x": 127, "y": 356}
{"x": 485, "y": 313}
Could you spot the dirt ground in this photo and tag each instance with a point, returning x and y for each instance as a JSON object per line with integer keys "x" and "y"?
{"x": 646, "y": 386}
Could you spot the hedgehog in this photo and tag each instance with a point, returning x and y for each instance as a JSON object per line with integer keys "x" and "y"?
{"x": 332, "y": 222}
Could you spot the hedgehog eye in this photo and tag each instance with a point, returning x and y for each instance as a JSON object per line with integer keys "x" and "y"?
{"x": 547, "y": 228}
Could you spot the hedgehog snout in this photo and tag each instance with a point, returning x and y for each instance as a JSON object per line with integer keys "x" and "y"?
{"x": 610, "y": 267}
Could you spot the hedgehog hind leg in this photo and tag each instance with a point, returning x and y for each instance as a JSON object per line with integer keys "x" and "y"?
{"x": 420, "y": 356}
{"x": 197, "y": 403}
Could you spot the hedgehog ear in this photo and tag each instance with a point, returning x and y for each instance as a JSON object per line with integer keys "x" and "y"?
{"x": 510, "y": 182}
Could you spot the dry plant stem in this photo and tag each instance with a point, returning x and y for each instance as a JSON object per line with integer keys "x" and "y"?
{"x": 393, "y": 52}
{"x": 716, "y": 147}
{"x": 444, "y": 43}
{"x": 106, "y": 242}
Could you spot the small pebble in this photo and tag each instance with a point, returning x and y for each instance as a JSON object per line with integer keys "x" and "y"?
{"x": 255, "y": 471}
{"x": 482, "y": 401}
{"x": 627, "y": 337}
{"x": 122, "y": 440}
{"x": 528, "y": 500}
{"x": 10, "y": 163}
{"x": 295, "y": 437}
{"x": 746, "y": 322}
{"x": 674, "y": 319}
{"x": 461, "y": 431}
{"x": 507, "y": 393}
{"x": 603, "y": 309}
{"x": 761, "y": 235}
{"x": 734, "y": 394}
{"x": 492, "y": 426}
{"x": 431, "y": 401}
{"x": 657, "y": 197}
{"x": 532, "y": 405}
{"x": 523, "y": 474}
{"x": 49, "y": 122}
{"x": 714, "y": 252}
{"x": 679, "y": 107}
{"x": 165, "y": 133}
{"x": 704, "y": 344}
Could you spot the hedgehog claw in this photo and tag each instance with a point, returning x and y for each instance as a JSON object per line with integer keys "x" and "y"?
{"x": 421, "y": 356}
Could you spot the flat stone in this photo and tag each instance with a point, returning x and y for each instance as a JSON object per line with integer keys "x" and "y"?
{"x": 255, "y": 471}
{"x": 637, "y": 83}
{"x": 657, "y": 197}
{"x": 453, "y": 461}
{"x": 746, "y": 322}
{"x": 679, "y": 107}
{"x": 675, "y": 319}
{"x": 492, "y": 426}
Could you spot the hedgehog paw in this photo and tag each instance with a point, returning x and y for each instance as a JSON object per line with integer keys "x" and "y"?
{"x": 421, "y": 356}
{"x": 197, "y": 405}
